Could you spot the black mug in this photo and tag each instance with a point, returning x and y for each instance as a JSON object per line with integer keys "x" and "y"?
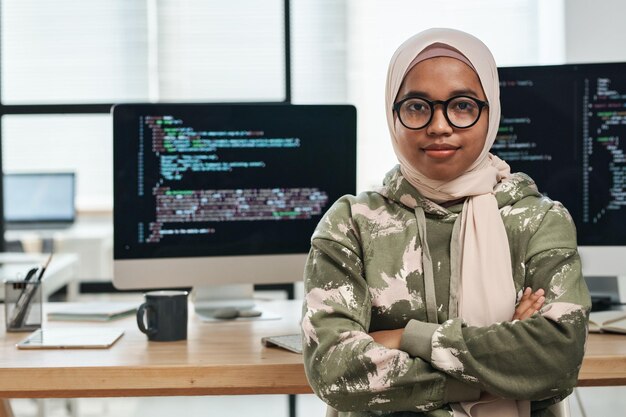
{"x": 166, "y": 315}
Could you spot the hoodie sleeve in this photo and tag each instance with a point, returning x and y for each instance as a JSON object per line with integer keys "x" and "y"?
{"x": 344, "y": 366}
{"x": 531, "y": 359}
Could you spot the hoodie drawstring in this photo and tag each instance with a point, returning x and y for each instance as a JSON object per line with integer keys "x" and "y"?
{"x": 429, "y": 277}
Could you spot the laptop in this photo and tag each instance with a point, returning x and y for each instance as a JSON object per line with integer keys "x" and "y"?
{"x": 41, "y": 200}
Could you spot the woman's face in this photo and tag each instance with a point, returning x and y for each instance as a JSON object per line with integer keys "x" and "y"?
{"x": 441, "y": 151}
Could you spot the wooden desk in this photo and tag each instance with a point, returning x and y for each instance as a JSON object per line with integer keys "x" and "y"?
{"x": 217, "y": 359}
{"x": 605, "y": 361}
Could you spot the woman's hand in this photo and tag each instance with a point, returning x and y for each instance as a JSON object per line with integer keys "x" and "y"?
{"x": 388, "y": 338}
{"x": 530, "y": 303}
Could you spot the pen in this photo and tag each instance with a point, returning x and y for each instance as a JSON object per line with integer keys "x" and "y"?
{"x": 30, "y": 273}
{"x": 22, "y": 305}
{"x": 43, "y": 269}
{"x": 23, "y": 294}
{"x": 23, "y": 302}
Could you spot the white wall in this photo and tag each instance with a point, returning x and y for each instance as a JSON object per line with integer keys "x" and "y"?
{"x": 318, "y": 51}
{"x": 595, "y": 31}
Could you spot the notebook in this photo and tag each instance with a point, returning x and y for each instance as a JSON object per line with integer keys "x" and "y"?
{"x": 71, "y": 338}
{"x": 607, "y": 321}
{"x": 94, "y": 311}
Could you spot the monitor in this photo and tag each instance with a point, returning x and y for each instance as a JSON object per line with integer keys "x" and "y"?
{"x": 565, "y": 126}
{"x": 219, "y": 194}
{"x": 39, "y": 199}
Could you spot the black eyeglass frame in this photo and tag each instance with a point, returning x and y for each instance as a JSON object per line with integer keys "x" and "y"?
{"x": 444, "y": 103}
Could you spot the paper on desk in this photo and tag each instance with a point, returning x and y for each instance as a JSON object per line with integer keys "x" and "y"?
{"x": 607, "y": 321}
{"x": 91, "y": 311}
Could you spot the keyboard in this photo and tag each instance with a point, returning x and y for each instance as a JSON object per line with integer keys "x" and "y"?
{"x": 291, "y": 342}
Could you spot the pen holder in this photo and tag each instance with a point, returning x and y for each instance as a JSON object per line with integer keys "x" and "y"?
{"x": 22, "y": 305}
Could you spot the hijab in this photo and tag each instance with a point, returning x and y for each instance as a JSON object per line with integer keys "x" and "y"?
{"x": 486, "y": 292}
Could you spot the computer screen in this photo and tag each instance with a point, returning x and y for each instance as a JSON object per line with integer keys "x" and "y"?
{"x": 224, "y": 193}
{"x": 565, "y": 126}
{"x": 38, "y": 198}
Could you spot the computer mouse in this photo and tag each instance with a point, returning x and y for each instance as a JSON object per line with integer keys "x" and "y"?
{"x": 226, "y": 313}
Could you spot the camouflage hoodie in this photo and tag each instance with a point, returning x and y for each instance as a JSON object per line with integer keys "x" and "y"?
{"x": 365, "y": 273}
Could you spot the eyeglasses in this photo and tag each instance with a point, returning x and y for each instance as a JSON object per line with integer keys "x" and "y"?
{"x": 460, "y": 111}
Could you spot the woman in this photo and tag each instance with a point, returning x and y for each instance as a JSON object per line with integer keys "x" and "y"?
{"x": 418, "y": 295}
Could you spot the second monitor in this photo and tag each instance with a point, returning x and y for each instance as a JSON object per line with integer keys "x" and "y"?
{"x": 565, "y": 126}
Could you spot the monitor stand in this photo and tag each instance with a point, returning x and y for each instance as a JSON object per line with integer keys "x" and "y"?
{"x": 621, "y": 289}
{"x": 228, "y": 302}
{"x": 607, "y": 292}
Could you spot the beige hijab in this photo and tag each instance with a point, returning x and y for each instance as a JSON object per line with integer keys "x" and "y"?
{"x": 486, "y": 293}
